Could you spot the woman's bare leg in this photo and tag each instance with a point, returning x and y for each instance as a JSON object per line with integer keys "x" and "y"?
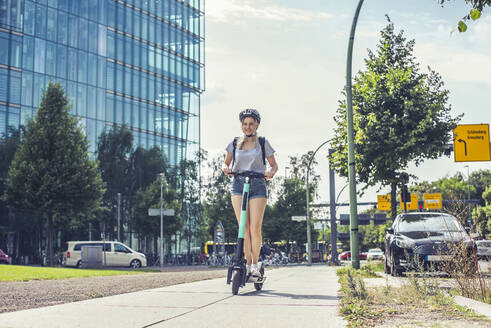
{"x": 237, "y": 204}
{"x": 257, "y": 207}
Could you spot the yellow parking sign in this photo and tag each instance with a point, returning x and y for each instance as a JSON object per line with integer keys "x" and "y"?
{"x": 412, "y": 205}
{"x": 471, "y": 143}
{"x": 432, "y": 201}
{"x": 383, "y": 202}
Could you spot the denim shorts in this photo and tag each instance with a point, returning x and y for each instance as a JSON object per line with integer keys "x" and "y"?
{"x": 257, "y": 187}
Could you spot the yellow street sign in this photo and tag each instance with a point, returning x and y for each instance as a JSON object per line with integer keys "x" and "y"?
{"x": 432, "y": 201}
{"x": 383, "y": 202}
{"x": 471, "y": 143}
{"x": 412, "y": 205}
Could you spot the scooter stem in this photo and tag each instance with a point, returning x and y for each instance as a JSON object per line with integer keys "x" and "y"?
{"x": 243, "y": 213}
{"x": 243, "y": 219}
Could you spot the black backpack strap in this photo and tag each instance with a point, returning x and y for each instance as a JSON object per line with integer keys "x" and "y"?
{"x": 261, "y": 142}
{"x": 234, "y": 144}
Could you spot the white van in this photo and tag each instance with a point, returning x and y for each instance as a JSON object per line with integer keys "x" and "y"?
{"x": 116, "y": 254}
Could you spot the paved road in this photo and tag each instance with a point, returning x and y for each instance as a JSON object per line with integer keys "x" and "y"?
{"x": 292, "y": 297}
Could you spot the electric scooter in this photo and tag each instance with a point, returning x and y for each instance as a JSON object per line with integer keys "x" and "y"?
{"x": 237, "y": 272}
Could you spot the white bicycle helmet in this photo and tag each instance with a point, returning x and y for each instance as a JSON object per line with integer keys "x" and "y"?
{"x": 250, "y": 112}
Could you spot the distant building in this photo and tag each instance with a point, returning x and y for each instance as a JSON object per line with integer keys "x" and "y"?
{"x": 133, "y": 62}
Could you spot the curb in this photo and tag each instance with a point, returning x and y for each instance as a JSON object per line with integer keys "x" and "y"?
{"x": 479, "y": 307}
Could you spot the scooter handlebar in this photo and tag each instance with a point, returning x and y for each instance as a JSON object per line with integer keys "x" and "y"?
{"x": 250, "y": 174}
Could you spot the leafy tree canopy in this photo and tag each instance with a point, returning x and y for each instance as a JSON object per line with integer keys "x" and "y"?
{"x": 51, "y": 172}
{"x": 150, "y": 198}
{"x": 217, "y": 204}
{"x": 477, "y": 7}
{"x": 400, "y": 114}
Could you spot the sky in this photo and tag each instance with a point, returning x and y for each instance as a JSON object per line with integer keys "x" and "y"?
{"x": 288, "y": 59}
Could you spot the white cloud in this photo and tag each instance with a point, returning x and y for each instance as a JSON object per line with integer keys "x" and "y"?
{"x": 295, "y": 78}
{"x": 480, "y": 30}
{"x": 235, "y": 11}
{"x": 455, "y": 63}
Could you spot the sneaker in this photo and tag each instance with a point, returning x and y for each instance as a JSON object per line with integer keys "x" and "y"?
{"x": 248, "y": 269}
{"x": 255, "y": 270}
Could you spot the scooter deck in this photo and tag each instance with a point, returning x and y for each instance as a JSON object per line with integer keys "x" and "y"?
{"x": 256, "y": 280}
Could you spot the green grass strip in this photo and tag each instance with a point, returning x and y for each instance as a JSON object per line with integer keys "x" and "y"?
{"x": 26, "y": 273}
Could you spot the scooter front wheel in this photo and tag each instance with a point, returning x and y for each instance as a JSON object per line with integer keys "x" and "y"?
{"x": 236, "y": 280}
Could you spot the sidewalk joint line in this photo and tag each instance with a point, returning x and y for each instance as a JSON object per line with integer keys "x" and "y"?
{"x": 182, "y": 314}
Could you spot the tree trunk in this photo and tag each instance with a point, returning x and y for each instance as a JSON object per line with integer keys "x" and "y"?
{"x": 50, "y": 242}
{"x": 393, "y": 200}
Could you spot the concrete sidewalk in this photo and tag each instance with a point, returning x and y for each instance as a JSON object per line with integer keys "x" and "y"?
{"x": 291, "y": 297}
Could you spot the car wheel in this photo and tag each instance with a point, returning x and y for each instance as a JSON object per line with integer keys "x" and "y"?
{"x": 79, "y": 263}
{"x": 393, "y": 267}
{"x": 386, "y": 266}
{"x": 135, "y": 264}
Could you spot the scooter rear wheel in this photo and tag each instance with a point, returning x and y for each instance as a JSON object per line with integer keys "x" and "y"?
{"x": 259, "y": 286}
{"x": 236, "y": 280}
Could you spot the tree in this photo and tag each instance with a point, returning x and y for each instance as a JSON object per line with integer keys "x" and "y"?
{"x": 482, "y": 215}
{"x": 480, "y": 180}
{"x": 217, "y": 203}
{"x": 8, "y": 147}
{"x": 52, "y": 173}
{"x": 475, "y": 13}
{"x": 150, "y": 198}
{"x": 114, "y": 149}
{"x": 291, "y": 201}
{"x": 400, "y": 115}
{"x": 188, "y": 186}
{"x": 145, "y": 167}
{"x": 25, "y": 225}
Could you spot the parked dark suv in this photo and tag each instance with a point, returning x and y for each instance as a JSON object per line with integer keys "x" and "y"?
{"x": 424, "y": 238}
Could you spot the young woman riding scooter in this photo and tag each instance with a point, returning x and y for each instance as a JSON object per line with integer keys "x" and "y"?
{"x": 249, "y": 153}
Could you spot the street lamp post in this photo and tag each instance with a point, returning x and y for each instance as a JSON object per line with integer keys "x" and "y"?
{"x": 309, "y": 242}
{"x": 119, "y": 216}
{"x": 355, "y": 251}
{"x": 161, "y": 221}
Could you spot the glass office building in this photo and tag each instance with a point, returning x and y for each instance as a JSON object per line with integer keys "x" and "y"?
{"x": 133, "y": 62}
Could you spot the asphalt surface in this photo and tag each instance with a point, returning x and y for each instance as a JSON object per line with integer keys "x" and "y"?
{"x": 297, "y": 296}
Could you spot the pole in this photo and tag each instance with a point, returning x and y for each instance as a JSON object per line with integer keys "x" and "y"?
{"x": 355, "y": 251}
{"x": 332, "y": 210}
{"x": 161, "y": 222}
{"x": 403, "y": 197}
{"x": 119, "y": 216}
{"x": 469, "y": 217}
{"x": 309, "y": 242}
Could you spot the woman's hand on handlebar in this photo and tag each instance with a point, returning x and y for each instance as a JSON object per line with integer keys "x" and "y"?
{"x": 226, "y": 170}
{"x": 268, "y": 175}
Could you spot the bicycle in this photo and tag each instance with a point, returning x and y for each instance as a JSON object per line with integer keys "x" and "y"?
{"x": 237, "y": 272}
